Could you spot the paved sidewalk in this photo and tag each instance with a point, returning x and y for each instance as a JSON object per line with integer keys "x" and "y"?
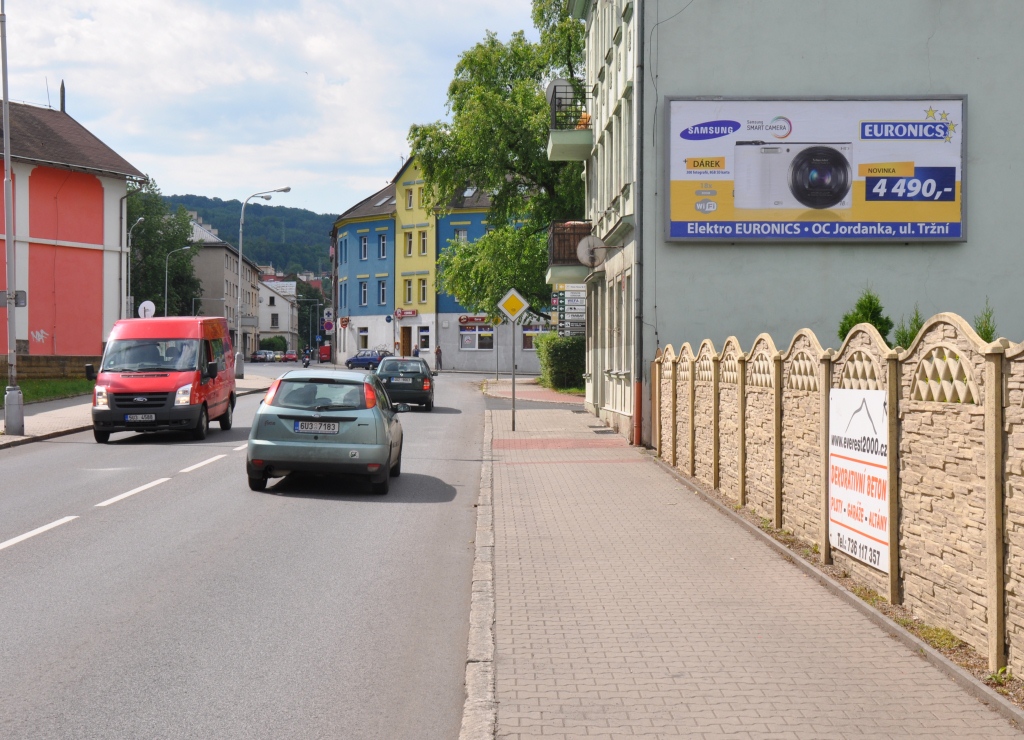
{"x": 54, "y": 418}
{"x": 628, "y": 606}
{"x": 527, "y": 389}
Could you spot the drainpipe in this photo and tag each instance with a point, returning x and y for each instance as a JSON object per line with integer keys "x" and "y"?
{"x": 638, "y": 270}
{"x": 121, "y": 208}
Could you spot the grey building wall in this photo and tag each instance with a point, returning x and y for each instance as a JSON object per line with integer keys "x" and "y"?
{"x": 870, "y": 48}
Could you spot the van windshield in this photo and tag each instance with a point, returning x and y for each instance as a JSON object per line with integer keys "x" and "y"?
{"x": 136, "y": 355}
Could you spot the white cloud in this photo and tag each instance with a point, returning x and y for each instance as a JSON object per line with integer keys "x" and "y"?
{"x": 223, "y": 98}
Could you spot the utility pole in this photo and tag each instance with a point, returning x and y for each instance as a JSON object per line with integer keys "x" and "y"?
{"x": 14, "y": 409}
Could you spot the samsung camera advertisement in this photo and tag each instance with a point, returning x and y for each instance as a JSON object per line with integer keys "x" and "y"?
{"x": 823, "y": 170}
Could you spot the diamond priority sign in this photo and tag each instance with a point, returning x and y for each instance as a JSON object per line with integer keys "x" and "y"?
{"x": 513, "y": 305}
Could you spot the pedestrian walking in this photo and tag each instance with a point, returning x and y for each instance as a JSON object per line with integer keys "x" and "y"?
{"x": 437, "y": 357}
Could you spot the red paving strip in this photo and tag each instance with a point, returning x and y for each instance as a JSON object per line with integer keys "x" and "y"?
{"x": 557, "y": 443}
{"x": 621, "y": 461}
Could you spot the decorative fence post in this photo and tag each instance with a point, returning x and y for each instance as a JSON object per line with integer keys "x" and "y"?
{"x": 655, "y": 403}
{"x": 777, "y": 435}
{"x": 994, "y": 524}
{"x": 741, "y": 362}
{"x": 826, "y": 386}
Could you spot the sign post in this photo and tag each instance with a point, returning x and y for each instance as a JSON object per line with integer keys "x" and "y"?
{"x": 513, "y": 305}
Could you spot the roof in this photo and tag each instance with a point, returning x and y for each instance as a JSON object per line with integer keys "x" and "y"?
{"x": 277, "y": 291}
{"x": 471, "y": 197}
{"x": 207, "y": 236}
{"x": 381, "y": 203}
{"x": 52, "y": 137}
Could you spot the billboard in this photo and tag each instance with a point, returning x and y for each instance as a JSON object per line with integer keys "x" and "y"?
{"x": 820, "y": 170}
{"x": 858, "y": 476}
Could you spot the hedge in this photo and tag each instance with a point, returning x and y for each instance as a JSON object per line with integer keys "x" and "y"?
{"x": 562, "y": 360}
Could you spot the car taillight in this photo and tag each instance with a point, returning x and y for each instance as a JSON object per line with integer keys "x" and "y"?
{"x": 269, "y": 398}
{"x": 426, "y": 384}
{"x": 370, "y": 395}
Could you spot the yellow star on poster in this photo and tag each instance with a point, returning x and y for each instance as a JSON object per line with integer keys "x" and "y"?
{"x": 943, "y": 116}
{"x": 949, "y": 139}
{"x": 930, "y": 113}
{"x": 952, "y": 127}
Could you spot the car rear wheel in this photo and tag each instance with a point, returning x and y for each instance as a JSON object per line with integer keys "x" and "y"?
{"x": 227, "y": 417}
{"x": 258, "y": 484}
{"x": 101, "y": 437}
{"x": 397, "y": 470}
{"x": 381, "y": 487}
{"x": 202, "y": 426}
{"x": 429, "y": 405}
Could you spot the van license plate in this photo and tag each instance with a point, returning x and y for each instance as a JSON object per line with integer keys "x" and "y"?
{"x": 316, "y": 427}
{"x": 140, "y": 417}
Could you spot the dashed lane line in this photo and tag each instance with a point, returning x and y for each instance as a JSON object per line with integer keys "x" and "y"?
{"x": 239, "y": 449}
{"x": 132, "y": 492}
{"x": 34, "y": 532}
{"x": 190, "y": 468}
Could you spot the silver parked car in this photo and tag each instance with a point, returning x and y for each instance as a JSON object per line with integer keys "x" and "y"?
{"x": 326, "y": 421}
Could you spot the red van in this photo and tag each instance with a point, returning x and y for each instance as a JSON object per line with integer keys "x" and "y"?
{"x": 161, "y": 374}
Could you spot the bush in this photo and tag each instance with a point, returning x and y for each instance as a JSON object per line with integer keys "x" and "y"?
{"x": 985, "y": 323}
{"x": 562, "y": 360}
{"x": 867, "y": 310}
{"x": 277, "y": 344}
{"x": 906, "y": 332}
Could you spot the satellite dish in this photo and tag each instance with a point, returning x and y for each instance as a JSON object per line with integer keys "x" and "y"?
{"x": 591, "y": 251}
{"x": 147, "y": 309}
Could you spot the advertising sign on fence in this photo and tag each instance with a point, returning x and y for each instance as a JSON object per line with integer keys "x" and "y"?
{"x": 825, "y": 170}
{"x": 858, "y": 475}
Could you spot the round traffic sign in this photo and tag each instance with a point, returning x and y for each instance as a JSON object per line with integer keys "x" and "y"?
{"x": 147, "y": 310}
{"x": 328, "y": 326}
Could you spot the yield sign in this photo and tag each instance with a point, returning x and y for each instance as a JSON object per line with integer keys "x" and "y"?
{"x": 513, "y": 305}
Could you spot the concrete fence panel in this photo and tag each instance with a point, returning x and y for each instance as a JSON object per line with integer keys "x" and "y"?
{"x": 705, "y": 415}
{"x": 667, "y": 389}
{"x": 803, "y": 484}
{"x": 684, "y": 409}
{"x": 762, "y": 460}
{"x": 729, "y": 419}
{"x": 1013, "y": 507}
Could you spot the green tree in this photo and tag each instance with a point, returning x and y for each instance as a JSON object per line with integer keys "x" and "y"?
{"x": 160, "y": 233}
{"x": 907, "y": 331}
{"x": 985, "y": 323}
{"x": 867, "y": 310}
{"x": 478, "y": 274}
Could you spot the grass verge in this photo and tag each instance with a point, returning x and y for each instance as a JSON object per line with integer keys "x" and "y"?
{"x": 48, "y": 389}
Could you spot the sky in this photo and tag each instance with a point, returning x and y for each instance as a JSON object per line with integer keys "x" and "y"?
{"x": 226, "y": 98}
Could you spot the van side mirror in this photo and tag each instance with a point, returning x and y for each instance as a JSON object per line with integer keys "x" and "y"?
{"x": 90, "y": 372}
{"x": 211, "y": 370}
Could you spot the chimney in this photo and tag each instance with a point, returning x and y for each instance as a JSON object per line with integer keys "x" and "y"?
{"x": 62, "y": 96}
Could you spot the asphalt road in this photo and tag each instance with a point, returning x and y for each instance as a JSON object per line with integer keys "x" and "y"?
{"x": 197, "y": 608}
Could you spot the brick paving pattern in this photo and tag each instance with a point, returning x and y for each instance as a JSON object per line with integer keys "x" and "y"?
{"x": 527, "y": 389}
{"x": 626, "y": 606}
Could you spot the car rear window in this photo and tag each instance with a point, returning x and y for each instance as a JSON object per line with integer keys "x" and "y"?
{"x": 323, "y": 394}
{"x": 402, "y": 366}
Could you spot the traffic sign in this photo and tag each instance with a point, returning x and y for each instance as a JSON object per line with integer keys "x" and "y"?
{"x": 318, "y": 338}
{"x": 513, "y": 305}
{"x": 328, "y": 314}
{"x": 328, "y": 326}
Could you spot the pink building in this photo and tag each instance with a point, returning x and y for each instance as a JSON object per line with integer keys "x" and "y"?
{"x": 69, "y": 228}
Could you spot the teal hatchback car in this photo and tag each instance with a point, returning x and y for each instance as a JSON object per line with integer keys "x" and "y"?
{"x": 326, "y": 421}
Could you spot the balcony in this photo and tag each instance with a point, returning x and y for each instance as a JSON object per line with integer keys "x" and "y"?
{"x": 571, "y": 138}
{"x": 563, "y": 264}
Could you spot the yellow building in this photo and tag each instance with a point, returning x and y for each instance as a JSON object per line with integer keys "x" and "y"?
{"x": 415, "y": 261}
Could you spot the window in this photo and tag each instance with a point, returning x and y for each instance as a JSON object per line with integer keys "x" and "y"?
{"x": 382, "y": 243}
{"x": 272, "y": 301}
{"x": 408, "y": 244}
{"x": 382, "y": 292}
{"x": 364, "y": 337}
{"x": 344, "y": 251}
{"x": 362, "y": 247}
{"x": 408, "y": 197}
{"x": 423, "y": 242}
{"x": 275, "y": 321}
{"x": 408, "y": 291}
{"x": 476, "y": 337}
{"x": 424, "y": 337}
{"x": 530, "y": 333}
{"x": 462, "y": 235}
{"x": 419, "y": 196}
{"x": 423, "y": 290}
{"x": 344, "y": 294}
{"x": 362, "y": 293}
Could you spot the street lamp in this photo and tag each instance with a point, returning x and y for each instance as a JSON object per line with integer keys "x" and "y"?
{"x": 129, "y": 301}
{"x": 166, "y": 267}
{"x": 239, "y": 357}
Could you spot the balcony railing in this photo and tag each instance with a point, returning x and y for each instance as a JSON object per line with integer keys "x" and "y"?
{"x": 569, "y": 108}
{"x": 563, "y": 239}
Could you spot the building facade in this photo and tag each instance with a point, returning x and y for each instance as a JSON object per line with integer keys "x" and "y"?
{"x": 279, "y": 317}
{"x": 69, "y": 229}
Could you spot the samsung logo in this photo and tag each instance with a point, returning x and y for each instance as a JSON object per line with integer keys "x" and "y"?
{"x": 897, "y": 130}
{"x": 710, "y": 130}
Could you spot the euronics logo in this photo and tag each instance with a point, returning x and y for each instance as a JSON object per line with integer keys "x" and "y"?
{"x": 901, "y": 130}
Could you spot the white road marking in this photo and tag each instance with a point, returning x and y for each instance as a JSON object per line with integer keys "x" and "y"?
{"x": 132, "y": 492}
{"x": 239, "y": 449}
{"x": 34, "y": 532}
{"x": 190, "y": 468}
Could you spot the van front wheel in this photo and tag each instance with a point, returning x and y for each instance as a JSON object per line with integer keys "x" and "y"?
{"x": 101, "y": 437}
{"x": 227, "y": 417}
{"x": 202, "y": 426}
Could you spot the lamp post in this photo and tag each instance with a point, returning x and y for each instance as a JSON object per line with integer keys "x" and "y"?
{"x": 14, "y": 410}
{"x": 129, "y": 298}
{"x": 166, "y": 267}
{"x": 239, "y": 356}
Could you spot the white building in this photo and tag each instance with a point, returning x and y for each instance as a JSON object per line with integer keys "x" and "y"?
{"x": 279, "y": 315}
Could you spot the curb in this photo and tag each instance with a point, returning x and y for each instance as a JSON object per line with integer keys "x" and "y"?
{"x": 479, "y": 713}
{"x": 980, "y": 691}
{"x": 18, "y": 442}
{"x": 570, "y": 400}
